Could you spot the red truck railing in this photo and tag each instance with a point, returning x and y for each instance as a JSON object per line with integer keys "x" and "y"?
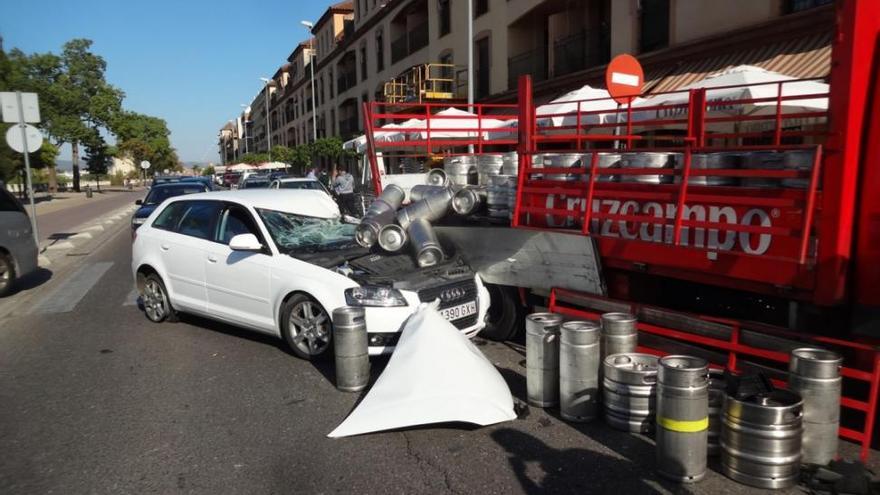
{"x": 731, "y": 344}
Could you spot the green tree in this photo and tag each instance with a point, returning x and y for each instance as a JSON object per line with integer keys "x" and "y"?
{"x": 281, "y": 154}
{"x": 97, "y": 160}
{"x": 143, "y": 137}
{"x": 255, "y": 158}
{"x": 301, "y": 158}
{"x": 208, "y": 171}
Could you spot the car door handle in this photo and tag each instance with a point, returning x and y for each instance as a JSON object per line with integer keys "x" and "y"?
{"x": 164, "y": 247}
{"x": 212, "y": 259}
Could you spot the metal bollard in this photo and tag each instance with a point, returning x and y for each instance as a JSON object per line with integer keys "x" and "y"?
{"x": 682, "y": 418}
{"x": 761, "y": 439}
{"x": 814, "y": 374}
{"x": 424, "y": 243}
{"x": 579, "y": 371}
{"x": 619, "y": 334}
{"x": 350, "y": 346}
{"x": 542, "y": 359}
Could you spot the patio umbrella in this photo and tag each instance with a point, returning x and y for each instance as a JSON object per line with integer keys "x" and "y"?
{"x": 591, "y": 100}
{"x": 456, "y": 124}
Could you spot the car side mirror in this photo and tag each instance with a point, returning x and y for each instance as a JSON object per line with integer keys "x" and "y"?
{"x": 245, "y": 242}
{"x": 139, "y": 202}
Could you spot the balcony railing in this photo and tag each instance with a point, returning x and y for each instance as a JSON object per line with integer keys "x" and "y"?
{"x": 345, "y": 80}
{"x": 532, "y": 62}
{"x": 399, "y": 49}
{"x": 579, "y": 51}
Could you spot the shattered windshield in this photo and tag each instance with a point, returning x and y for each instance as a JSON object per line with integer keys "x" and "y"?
{"x": 294, "y": 233}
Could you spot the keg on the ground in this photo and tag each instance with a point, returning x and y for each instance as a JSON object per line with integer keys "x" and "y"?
{"x": 390, "y": 200}
{"x": 487, "y": 166}
{"x": 459, "y": 168}
{"x": 392, "y": 238}
{"x": 496, "y": 196}
{"x": 542, "y": 359}
{"x": 468, "y": 200}
{"x": 802, "y": 161}
{"x": 421, "y": 191}
{"x": 350, "y": 348}
{"x": 367, "y": 231}
{"x": 682, "y": 418}
{"x": 761, "y": 439}
{"x": 566, "y": 160}
{"x": 709, "y": 161}
{"x": 512, "y": 183}
{"x": 629, "y": 386}
{"x": 814, "y": 374}
{"x": 437, "y": 177}
{"x": 431, "y": 208}
{"x": 619, "y": 334}
{"x": 579, "y": 370}
{"x": 425, "y": 245}
{"x": 510, "y": 163}
{"x": 646, "y": 160}
{"x": 717, "y": 385}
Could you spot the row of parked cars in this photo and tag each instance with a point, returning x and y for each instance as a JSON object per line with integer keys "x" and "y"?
{"x": 279, "y": 260}
{"x": 18, "y": 249}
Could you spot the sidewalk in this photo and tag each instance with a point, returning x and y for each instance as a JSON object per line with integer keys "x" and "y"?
{"x": 48, "y": 203}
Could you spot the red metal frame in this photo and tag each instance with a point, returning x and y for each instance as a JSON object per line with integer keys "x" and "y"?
{"x": 734, "y": 349}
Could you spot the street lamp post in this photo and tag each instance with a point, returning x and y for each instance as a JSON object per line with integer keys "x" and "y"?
{"x": 268, "y": 120}
{"x": 308, "y": 25}
{"x": 470, "y": 61}
{"x": 244, "y": 125}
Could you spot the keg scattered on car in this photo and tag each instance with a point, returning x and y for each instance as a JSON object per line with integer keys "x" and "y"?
{"x": 542, "y": 359}
{"x": 629, "y": 387}
{"x": 350, "y": 348}
{"x": 761, "y": 439}
{"x": 682, "y": 418}
{"x": 814, "y": 374}
{"x": 579, "y": 370}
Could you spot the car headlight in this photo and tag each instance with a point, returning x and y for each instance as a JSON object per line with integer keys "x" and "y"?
{"x": 371, "y": 295}
{"x": 138, "y": 220}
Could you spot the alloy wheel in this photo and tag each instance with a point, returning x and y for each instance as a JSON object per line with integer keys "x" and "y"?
{"x": 310, "y": 328}
{"x": 155, "y": 301}
{"x": 5, "y": 274}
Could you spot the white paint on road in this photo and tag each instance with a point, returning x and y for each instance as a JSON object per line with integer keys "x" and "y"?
{"x": 132, "y": 298}
{"x": 55, "y": 246}
{"x": 69, "y": 293}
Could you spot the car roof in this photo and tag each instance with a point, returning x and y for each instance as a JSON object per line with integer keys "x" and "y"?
{"x": 296, "y": 179}
{"x": 175, "y": 184}
{"x": 307, "y": 202}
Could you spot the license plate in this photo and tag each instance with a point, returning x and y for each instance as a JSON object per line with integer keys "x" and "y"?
{"x": 460, "y": 311}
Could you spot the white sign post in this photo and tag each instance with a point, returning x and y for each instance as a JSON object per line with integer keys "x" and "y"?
{"x": 145, "y": 165}
{"x": 20, "y": 108}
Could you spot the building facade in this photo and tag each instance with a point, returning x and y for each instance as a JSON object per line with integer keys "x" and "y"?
{"x": 358, "y": 46}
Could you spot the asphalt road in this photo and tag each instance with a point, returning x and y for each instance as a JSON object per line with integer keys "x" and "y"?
{"x": 96, "y": 399}
{"x": 57, "y": 223}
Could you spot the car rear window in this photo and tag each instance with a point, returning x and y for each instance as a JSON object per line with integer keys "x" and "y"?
{"x": 159, "y": 194}
{"x": 8, "y": 202}
{"x": 301, "y": 184}
{"x": 170, "y": 216}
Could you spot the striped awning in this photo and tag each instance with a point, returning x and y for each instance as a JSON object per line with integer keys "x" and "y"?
{"x": 802, "y": 58}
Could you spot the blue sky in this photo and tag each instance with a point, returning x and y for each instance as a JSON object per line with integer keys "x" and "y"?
{"x": 190, "y": 62}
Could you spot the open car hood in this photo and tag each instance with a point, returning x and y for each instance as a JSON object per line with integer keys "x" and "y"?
{"x": 436, "y": 375}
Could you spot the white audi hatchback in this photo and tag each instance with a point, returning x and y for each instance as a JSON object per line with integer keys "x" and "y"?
{"x": 280, "y": 262}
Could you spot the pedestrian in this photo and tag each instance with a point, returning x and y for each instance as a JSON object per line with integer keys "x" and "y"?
{"x": 313, "y": 173}
{"x": 343, "y": 186}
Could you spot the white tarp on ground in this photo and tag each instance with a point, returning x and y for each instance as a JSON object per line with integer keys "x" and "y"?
{"x": 436, "y": 375}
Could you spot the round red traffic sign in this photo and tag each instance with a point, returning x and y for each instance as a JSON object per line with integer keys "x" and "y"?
{"x": 624, "y": 78}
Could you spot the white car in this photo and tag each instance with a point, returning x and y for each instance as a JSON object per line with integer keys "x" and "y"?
{"x": 298, "y": 183}
{"x": 280, "y": 262}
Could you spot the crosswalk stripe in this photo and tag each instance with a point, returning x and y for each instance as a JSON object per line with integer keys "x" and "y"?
{"x": 132, "y": 298}
{"x": 69, "y": 293}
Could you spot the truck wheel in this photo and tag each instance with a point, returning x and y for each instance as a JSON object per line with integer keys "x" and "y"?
{"x": 306, "y": 327}
{"x": 7, "y": 275}
{"x": 505, "y": 313}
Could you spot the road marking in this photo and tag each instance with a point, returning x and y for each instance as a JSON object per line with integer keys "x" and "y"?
{"x": 57, "y": 245}
{"x": 69, "y": 293}
{"x": 132, "y": 298}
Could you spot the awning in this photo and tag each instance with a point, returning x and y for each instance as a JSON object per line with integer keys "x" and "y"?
{"x": 801, "y": 58}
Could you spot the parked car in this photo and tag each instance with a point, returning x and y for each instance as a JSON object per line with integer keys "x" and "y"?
{"x": 165, "y": 179}
{"x": 280, "y": 262}
{"x": 254, "y": 182}
{"x": 160, "y": 193}
{"x": 231, "y": 179}
{"x": 206, "y": 180}
{"x": 18, "y": 249}
{"x": 298, "y": 183}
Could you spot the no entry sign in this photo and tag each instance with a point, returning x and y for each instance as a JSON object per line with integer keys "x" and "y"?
{"x": 624, "y": 78}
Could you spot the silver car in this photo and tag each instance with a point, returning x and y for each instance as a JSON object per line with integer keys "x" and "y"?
{"x": 18, "y": 250}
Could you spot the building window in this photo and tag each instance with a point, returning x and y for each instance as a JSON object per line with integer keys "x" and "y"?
{"x": 480, "y": 7}
{"x": 363, "y": 62}
{"x": 380, "y": 52}
{"x": 330, "y": 82}
{"x": 653, "y": 25}
{"x": 443, "y": 15}
{"x": 792, "y": 6}
{"x": 481, "y": 62}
